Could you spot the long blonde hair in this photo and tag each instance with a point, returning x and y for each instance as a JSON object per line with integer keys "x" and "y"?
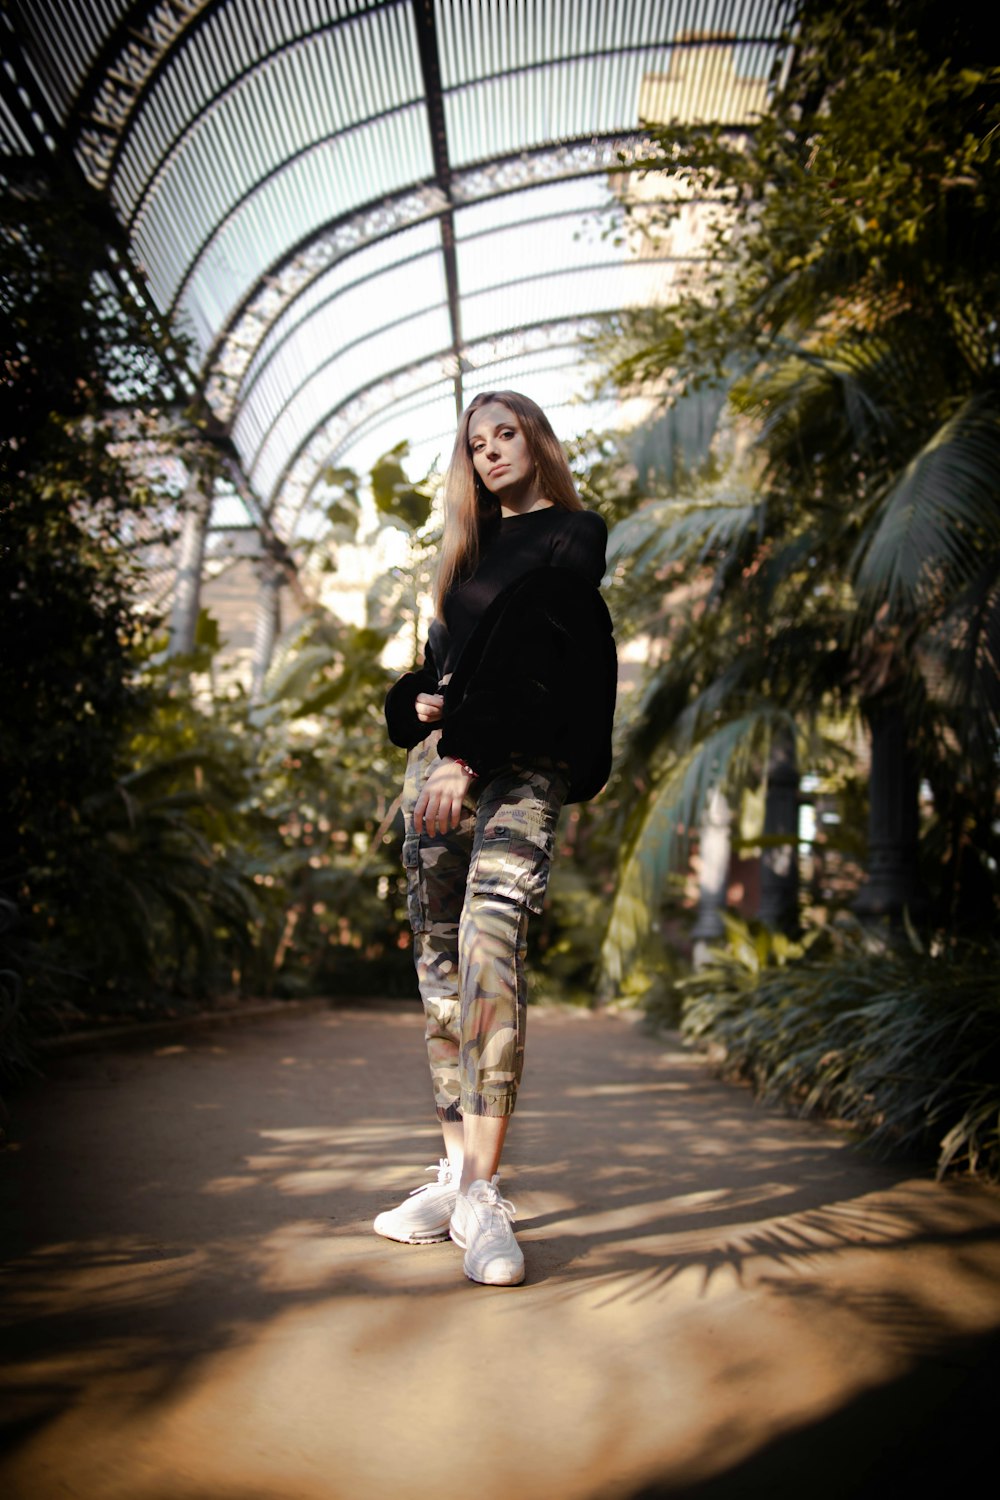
{"x": 468, "y": 505}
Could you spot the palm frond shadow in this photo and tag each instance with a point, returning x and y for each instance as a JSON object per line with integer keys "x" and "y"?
{"x": 794, "y": 1243}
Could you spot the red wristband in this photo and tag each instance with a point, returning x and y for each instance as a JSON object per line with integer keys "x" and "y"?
{"x": 465, "y": 766}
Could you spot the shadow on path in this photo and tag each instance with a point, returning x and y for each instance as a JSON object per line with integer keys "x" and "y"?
{"x": 932, "y": 1431}
{"x": 195, "y": 1304}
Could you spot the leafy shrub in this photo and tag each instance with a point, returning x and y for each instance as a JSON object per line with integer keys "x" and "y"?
{"x": 901, "y": 1044}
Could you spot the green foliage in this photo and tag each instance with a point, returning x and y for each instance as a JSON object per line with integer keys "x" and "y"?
{"x": 228, "y": 855}
{"x": 87, "y": 375}
{"x": 325, "y": 783}
{"x": 937, "y": 531}
{"x": 162, "y": 841}
{"x": 873, "y": 174}
{"x": 666, "y": 818}
{"x": 901, "y": 1044}
{"x": 159, "y": 845}
{"x": 399, "y": 500}
{"x": 838, "y": 547}
{"x": 564, "y": 943}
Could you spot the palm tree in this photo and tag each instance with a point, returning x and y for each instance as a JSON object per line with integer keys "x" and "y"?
{"x": 851, "y": 562}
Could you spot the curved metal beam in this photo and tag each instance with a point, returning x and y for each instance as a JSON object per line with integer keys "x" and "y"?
{"x": 568, "y": 330}
{"x": 455, "y": 352}
{"x": 232, "y": 353}
{"x": 430, "y": 67}
{"x": 131, "y": 62}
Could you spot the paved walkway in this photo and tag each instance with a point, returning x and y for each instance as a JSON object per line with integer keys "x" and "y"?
{"x": 720, "y": 1301}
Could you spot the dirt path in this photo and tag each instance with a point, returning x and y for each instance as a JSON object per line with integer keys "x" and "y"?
{"x": 720, "y": 1301}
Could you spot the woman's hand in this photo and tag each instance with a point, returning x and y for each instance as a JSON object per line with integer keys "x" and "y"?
{"x": 429, "y": 706}
{"x": 439, "y": 806}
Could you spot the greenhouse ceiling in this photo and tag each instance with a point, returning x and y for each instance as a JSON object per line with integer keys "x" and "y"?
{"x": 362, "y": 211}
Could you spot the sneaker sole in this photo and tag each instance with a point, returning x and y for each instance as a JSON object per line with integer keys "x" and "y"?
{"x": 414, "y": 1239}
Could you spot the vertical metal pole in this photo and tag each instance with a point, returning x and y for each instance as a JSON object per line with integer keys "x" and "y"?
{"x": 714, "y": 850}
{"x": 267, "y": 626}
{"x": 779, "y": 866}
{"x": 891, "y": 886}
{"x": 190, "y": 561}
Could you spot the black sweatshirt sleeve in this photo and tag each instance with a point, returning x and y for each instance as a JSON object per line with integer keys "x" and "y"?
{"x": 404, "y": 727}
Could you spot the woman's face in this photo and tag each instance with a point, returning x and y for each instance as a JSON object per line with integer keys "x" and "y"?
{"x": 500, "y": 452}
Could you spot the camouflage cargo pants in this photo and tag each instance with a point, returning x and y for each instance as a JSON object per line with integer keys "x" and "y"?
{"x": 469, "y": 893}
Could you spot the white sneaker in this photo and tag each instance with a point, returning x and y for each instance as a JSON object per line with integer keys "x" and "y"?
{"x": 423, "y": 1217}
{"x": 481, "y": 1225}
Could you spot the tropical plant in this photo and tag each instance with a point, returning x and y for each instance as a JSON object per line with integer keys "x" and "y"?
{"x": 902, "y": 1044}
{"x": 849, "y": 561}
{"x": 87, "y": 375}
{"x": 211, "y": 846}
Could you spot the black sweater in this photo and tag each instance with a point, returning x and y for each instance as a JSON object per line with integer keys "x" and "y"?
{"x": 551, "y": 537}
{"x": 535, "y": 676}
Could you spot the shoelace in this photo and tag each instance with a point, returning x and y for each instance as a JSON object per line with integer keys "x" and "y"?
{"x": 443, "y": 1170}
{"x": 491, "y": 1197}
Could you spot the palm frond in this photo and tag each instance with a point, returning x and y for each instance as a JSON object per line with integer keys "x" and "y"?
{"x": 672, "y": 811}
{"x": 965, "y": 648}
{"x": 685, "y": 530}
{"x": 814, "y": 404}
{"x": 938, "y": 519}
{"x": 903, "y": 1045}
{"x": 679, "y": 442}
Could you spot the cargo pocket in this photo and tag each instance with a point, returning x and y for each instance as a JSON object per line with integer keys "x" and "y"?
{"x": 515, "y": 834}
{"x": 411, "y": 864}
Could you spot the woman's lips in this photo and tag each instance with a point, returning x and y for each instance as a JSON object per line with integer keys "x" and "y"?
{"x": 498, "y": 469}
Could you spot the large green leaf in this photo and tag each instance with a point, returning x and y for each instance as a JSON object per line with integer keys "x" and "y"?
{"x": 940, "y": 519}
{"x": 670, "y": 816}
{"x": 668, "y": 531}
{"x": 403, "y": 503}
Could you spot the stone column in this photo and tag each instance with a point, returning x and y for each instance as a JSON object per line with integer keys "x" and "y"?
{"x": 714, "y": 848}
{"x": 267, "y": 625}
{"x": 190, "y": 561}
{"x": 779, "y": 865}
{"x": 893, "y": 819}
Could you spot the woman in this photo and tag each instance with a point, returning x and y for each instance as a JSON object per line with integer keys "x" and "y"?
{"x": 509, "y": 717}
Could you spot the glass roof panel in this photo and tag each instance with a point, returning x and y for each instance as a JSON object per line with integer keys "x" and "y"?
{"x": 568, "y": 69}
{"x": 269, "y": 162}
{"x": 216, "y": 106}
{"x": 478, "y": 38}
{"x": 345, "y": 319}
{"x": 561, "y": 244}
{"x": 557, "y": 381}
{"x": 352, "y": 268}
{"x": 228, "y": 512}
{"x": 567, "y": 294}
{"x": 351, "y": 370}
{"x": 375, "y": 226}
{"x": 318, "y": 185}
{"x": 517, "y": 111}
{"x": 67, "y": 41}
{"x": 13, "y": 141}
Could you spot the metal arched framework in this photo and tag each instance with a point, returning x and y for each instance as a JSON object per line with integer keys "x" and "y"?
{"x": 359, "y": 211}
